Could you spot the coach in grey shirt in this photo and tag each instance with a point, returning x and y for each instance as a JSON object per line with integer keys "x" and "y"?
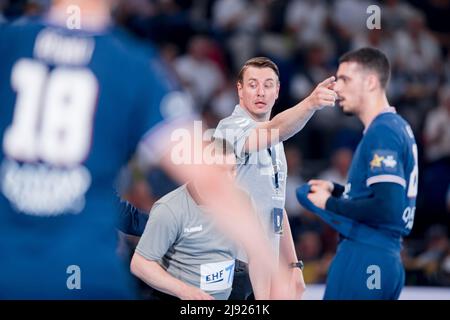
{"x": 261, "y": 162}
{"x": 255, "y": 171}
{"x": 182, "y": 252}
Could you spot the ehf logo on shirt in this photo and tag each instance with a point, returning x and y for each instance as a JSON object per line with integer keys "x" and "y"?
{"x": 383, "y": 160}
{"x": 217, "y": 276}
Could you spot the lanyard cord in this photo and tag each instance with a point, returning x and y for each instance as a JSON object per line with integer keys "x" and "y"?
{"x": 275, "y": 166}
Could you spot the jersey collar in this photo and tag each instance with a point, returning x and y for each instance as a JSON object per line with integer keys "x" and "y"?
{"x": 388, "y": 109}
{"x": 241, "y": 111}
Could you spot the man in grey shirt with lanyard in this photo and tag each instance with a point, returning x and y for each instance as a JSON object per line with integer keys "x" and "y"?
{"x": 261, "y": 162}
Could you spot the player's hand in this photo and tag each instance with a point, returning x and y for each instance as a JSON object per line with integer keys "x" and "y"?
{"x": 194, "y": 293}
{"x": 319, "y": 196}
{"x": 323, "y": 184}
{"x": 323, "y": 95}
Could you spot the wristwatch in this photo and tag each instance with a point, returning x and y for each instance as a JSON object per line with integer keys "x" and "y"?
{"x": 299, "y": 264}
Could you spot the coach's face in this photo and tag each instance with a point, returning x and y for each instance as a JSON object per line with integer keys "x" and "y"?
{"x": 258, "y": 91}
{"x": 350, "y": 87}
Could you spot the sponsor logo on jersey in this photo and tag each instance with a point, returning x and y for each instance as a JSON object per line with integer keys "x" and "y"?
{"x": 41, "y": 190}
{"x": 384, "y": 161}
{"x": 217, "y": 276}
{"x": 193, "y": 229}
{"x": 376, "y": 161}
{"x": 390, "y": 162}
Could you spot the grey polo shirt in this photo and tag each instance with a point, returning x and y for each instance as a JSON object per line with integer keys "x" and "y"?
{"x": 255, "y": 172}
{"x": 186, "y": 243}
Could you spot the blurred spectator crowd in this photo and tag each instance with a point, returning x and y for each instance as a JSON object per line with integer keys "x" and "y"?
{"x": 204, "y": 43}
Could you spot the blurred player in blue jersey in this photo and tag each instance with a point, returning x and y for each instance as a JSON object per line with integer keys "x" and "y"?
{"x": 75, "y": 103}
{"x": 381, "y": 192}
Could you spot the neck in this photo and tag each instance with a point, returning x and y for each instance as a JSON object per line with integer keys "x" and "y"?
{"x": 92, "y": 15}
{"x": 372, "y": 108}
{"x": 261, "y": 118}
{"x": 193, "y": 193}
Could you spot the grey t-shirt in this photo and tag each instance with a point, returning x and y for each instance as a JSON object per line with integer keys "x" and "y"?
{"x": 255, "y": 172}
{"x": 183, "y": 239}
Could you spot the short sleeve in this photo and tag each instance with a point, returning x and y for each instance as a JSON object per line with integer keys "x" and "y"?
{"x": 161, "y": 232}
{"x": 235, "y": 130}
{"x": 383, "y": 154}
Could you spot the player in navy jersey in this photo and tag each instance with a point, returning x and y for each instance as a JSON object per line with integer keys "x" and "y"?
{"x": 74, "y": 104}
{"x": 378, "y": 202}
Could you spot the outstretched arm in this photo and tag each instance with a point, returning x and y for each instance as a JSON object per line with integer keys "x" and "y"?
{"x": 289, "y": 122}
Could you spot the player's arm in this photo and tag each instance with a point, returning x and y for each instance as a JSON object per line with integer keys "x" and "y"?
{"x": 155, "y": 276}
{"x": 384, "y": 176}
{"x": 131, "y": 220}
{"x": 381, "y": 206}
{"x": 289, "y": 122}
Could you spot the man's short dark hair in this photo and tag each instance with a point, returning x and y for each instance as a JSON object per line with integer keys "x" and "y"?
{"x": 258, "y": 62}
{"x": 372, "y": 59}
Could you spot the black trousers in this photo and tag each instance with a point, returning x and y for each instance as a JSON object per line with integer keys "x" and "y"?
{"x": 242, "y": 287}
{"x": 161, "y": 296}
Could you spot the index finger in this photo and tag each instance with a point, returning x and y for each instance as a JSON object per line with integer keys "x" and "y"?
{"x": 327, "y": 82}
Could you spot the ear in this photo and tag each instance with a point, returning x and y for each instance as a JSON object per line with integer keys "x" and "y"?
{"x": 372, "y": 82}
{"x": 278, "y": 90}
{"x": 239, "y": 89}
